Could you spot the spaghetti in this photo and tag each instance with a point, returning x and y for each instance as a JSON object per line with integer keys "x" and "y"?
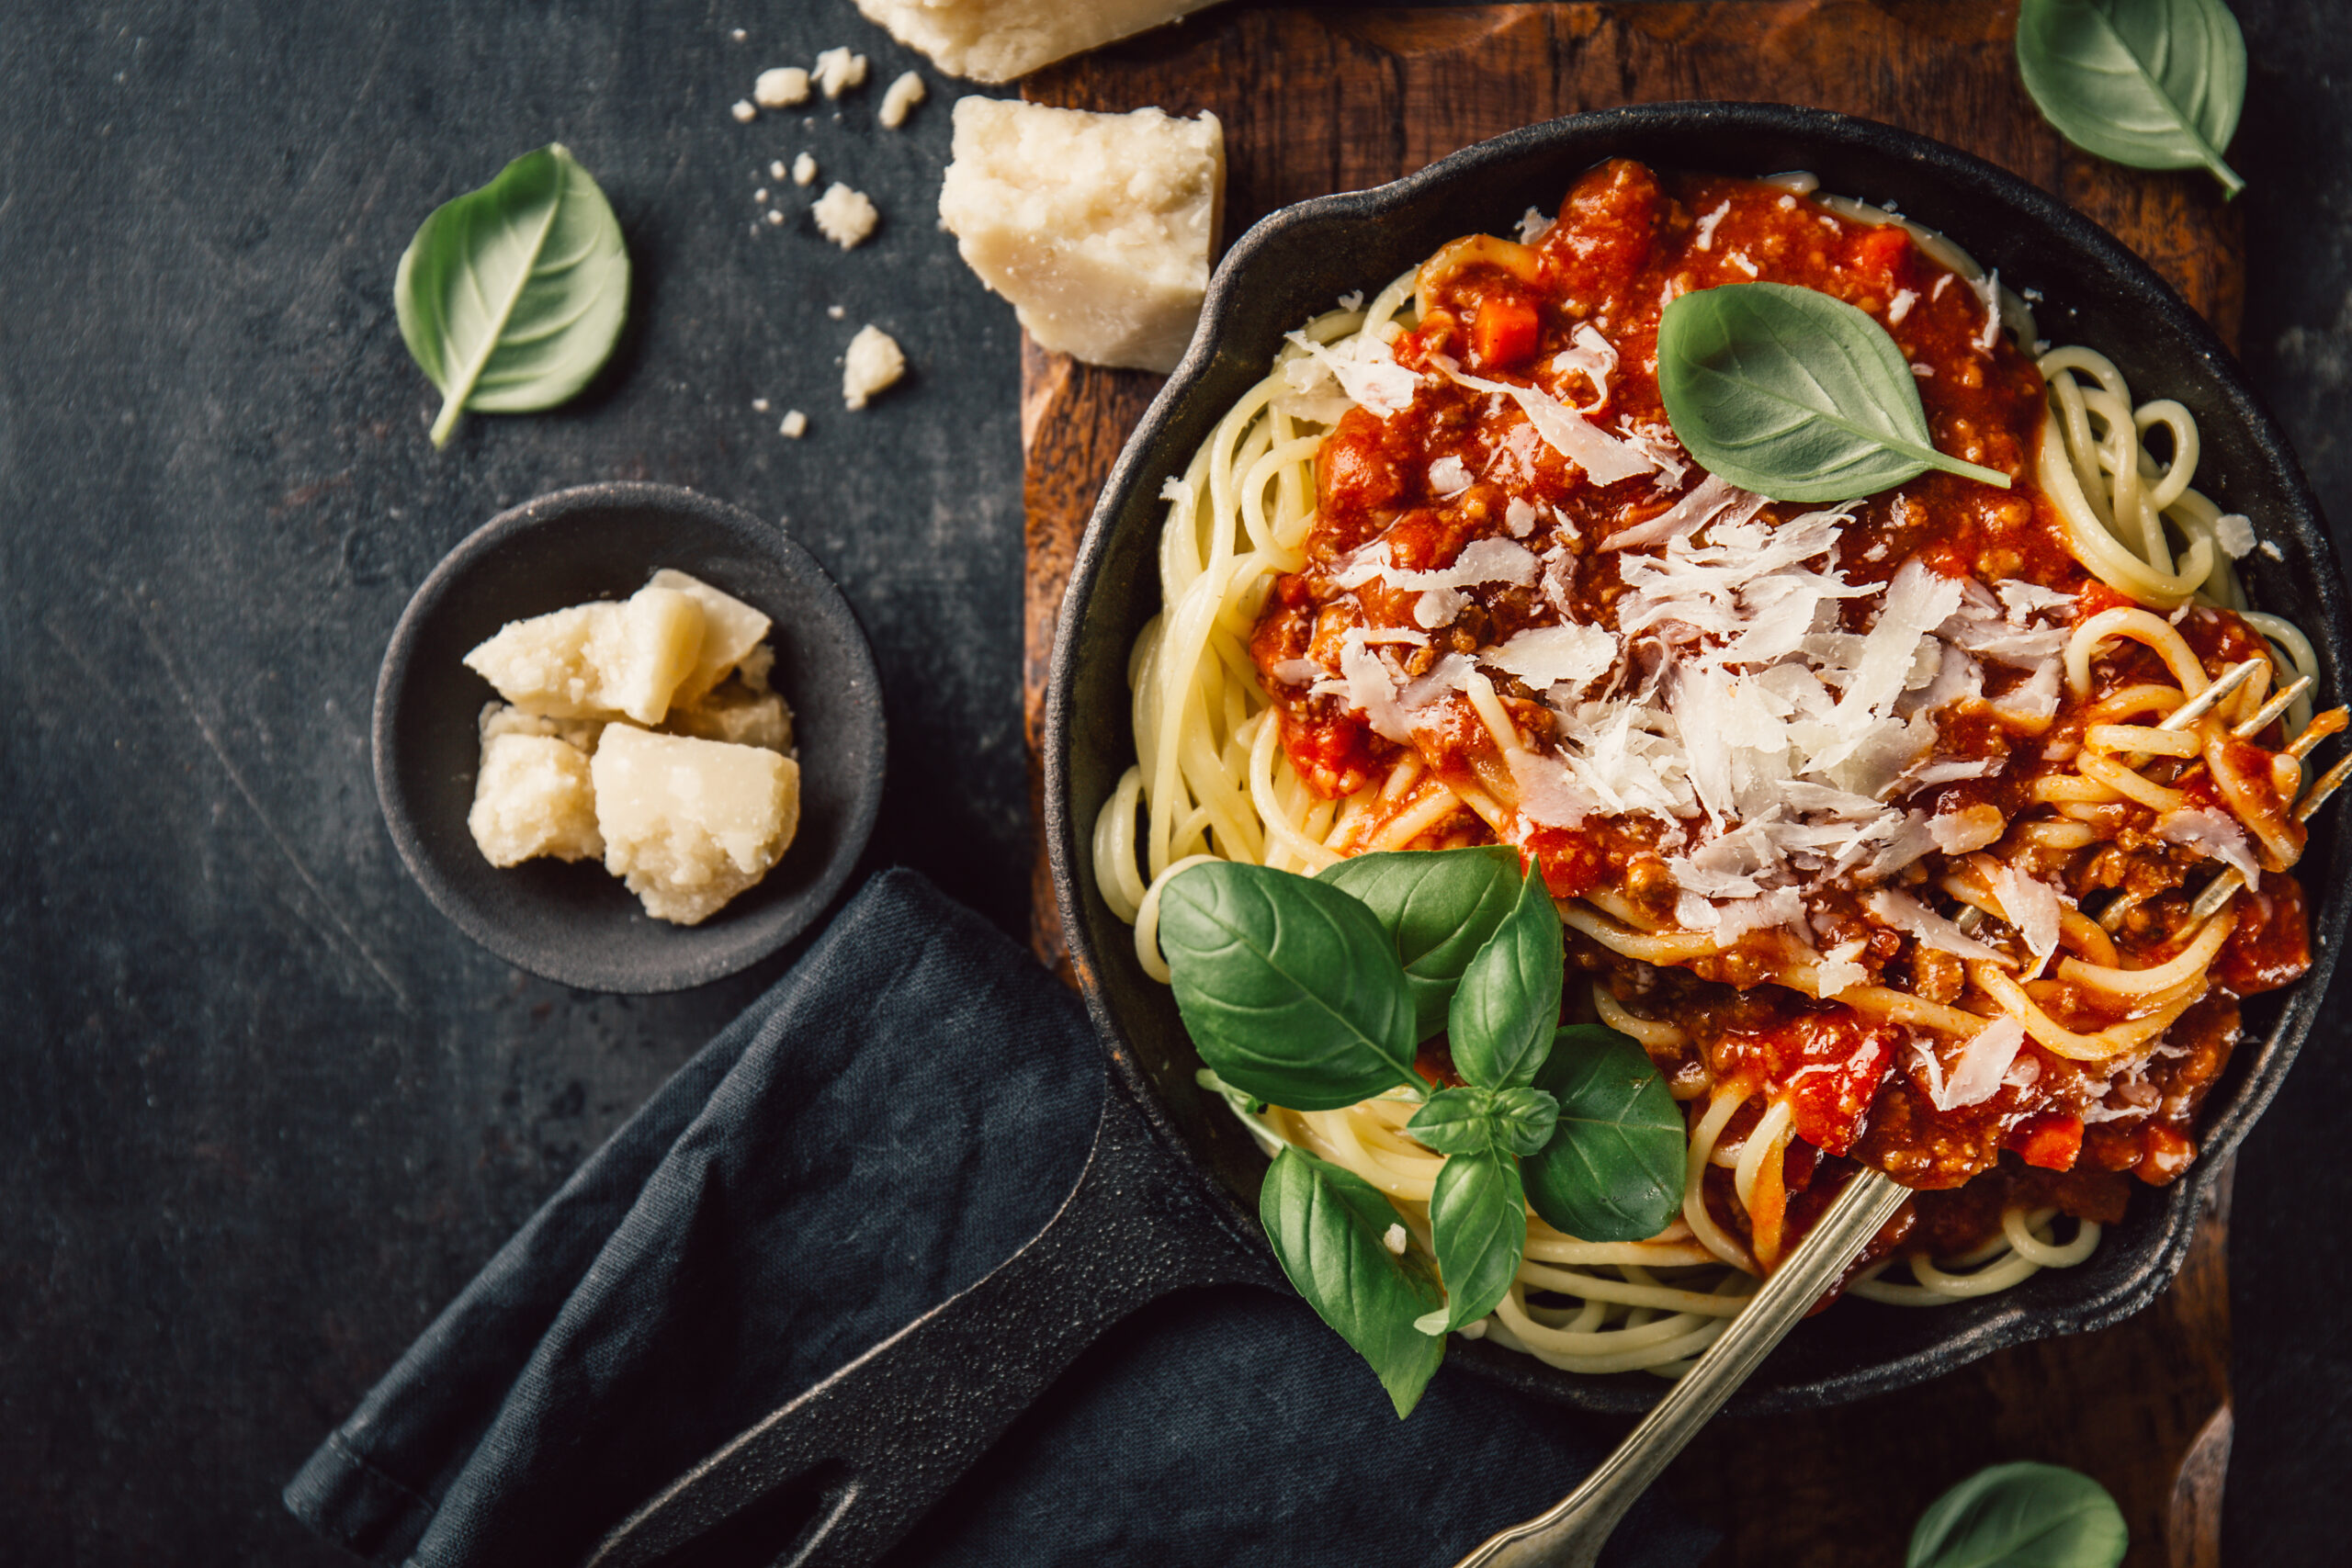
{"x": 1879, "y": 827}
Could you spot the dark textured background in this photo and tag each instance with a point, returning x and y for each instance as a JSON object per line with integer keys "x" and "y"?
{"x": 261, "y": 1110}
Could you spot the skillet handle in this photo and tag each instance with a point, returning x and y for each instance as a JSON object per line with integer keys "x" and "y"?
{"x": 855, "y": 1463}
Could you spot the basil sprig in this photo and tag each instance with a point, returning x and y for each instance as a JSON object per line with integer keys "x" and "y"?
{"x": 1795, "y": 395}
{"x": 511, "y": 297}
{"x": 2150, "y": 84}
{"x": 1314, "y": 993}
{"x": 2021, "y": 1515}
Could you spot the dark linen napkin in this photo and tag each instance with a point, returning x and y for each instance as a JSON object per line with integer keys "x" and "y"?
{"x": 893, "y": 1119}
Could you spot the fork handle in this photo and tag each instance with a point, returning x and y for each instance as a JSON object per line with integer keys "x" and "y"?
{"x": 1571, "y": 1534}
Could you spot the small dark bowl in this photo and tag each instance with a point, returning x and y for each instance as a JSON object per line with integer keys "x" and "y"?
{"x": 1298, "y": 261}
{"x": 573, "y": 922}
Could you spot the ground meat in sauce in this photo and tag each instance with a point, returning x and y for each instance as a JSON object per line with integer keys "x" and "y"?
{"x": 2054, "y": 1134}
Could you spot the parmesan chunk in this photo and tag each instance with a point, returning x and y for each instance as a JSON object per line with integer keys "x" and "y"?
{"x": 730, "y": 629}
{"x": 781, "y": 88}
{"x": 736, "y": 713}
{"x": 838, "y": 70}
{"x": 532, "y": 797}
{"x": 899, "y": 100}
{"x": 996, "y": 41}
{"x": 872, "y": 363}
{"x": 845, "y": 216}
{"x": 1097, "y": 227}
{"x": 690, "y": 823}
{"x": 597, "y": 661}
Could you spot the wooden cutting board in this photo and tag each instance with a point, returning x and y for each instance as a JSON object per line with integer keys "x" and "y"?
{"x": 1315, "y": 101}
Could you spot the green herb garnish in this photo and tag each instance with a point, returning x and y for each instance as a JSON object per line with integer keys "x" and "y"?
{"x": 2150, "y": 84}
{"x": 1795, "y": 395}
{"x": 511, "y": 297}
{"x": 2021, "y": 1515}
{"x": 1313, "y": 993}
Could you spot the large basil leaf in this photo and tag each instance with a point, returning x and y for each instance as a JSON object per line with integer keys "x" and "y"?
{"x": 1479, "y": 1227}
{"x": 1613, "y": 1167}
{"x": 1795, "y": 395}
{"x": 2021, "y": 1515}
{"x": 1288, "y": 987}
{"x": 1438, "y": 905}
{"x": 511, "y": 297}
{"x": 1509, "y": 1003}
{"x": 1329, "y": 1227}
{"x": 2153, "y": 83}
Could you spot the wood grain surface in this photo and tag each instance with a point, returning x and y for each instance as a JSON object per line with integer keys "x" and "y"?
{"x": 1315, "y": 101}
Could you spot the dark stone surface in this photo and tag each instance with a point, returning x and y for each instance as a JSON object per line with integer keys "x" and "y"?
{"x": 262, "y": 1111}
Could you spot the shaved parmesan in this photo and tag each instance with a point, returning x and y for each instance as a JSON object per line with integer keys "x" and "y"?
{"x": 1546, "y": 655}
{"x": 1604, "y": 459}
{"x": 2212, "y": 834}
{"x": 1925, "y": 927}
{"x": 1982, "y": 1063}
{"x": 2034, "y": 907}
{"x": 1367, "y": 373}
{"x": 1837, "y": 973}
{"x": 1519, "y": 517}
{"x": 1593, "y": 357}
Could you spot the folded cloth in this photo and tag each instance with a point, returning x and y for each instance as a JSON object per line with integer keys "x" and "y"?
{"x": 892, "y": 1119}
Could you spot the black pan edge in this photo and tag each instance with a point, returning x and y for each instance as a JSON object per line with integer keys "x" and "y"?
{"x": 1277, "y": 273}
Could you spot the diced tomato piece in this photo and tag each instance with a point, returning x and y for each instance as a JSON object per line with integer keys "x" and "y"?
{"x": 1882, "y": 252}
{"x": 2051, "y": 1140}
{"x": 1504, "y": 331}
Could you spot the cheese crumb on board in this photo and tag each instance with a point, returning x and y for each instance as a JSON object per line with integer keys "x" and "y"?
{"x": 804, "y": 170}
{"x": 775, "y": 217}
{"x": 600, "y": 660}
{"x": 996, "y": 41}
{"x": 900, "y": 99}
{"x": 872, "y": 363}
{"x": 845, "y": 216}
{"x": 690, "y": 823}
{"x": 775, "y": 169}
{"x": 744, "y": 112}
{"x": 837, "y": 71}
{"x": 1097, "y": 227}
{"x": 781, "y": 88}
{"x": 796, "y": 424}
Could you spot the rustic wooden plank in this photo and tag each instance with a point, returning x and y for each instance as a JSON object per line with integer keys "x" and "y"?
{"x": 1316, "y": 101}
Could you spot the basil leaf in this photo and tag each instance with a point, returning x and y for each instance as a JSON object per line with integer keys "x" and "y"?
{"x": 1504, "y": 1013}
{"x": 1288, "y": 987}
{"x": 2021, "y": 1515}
{"x": 2151, "y": 83}
{"x": 1795, "y": 395}
{"x": 1456, "y": 1122}
{"x": 1329, "y": 1227}
{"x": 1247, "y": 1104}
{"x": 1438, "y": 905}
{"x": 1523, "y": 1119}
{"x": 1478, "y": 1226}
{"x": 512, "y": 297}
{"x": 1612, "y": 1170}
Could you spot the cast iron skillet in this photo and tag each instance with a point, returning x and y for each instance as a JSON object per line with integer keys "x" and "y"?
{"x": 1168, "y": 1198}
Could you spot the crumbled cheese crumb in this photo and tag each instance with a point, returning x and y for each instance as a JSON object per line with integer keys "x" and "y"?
{"x": 2234, "y": 533}
{"x": 834, "y": 313}
{"x": 845, "y": 216}
{"x": 837, "y": 71}
{"x": 872, "y": 363}
{"x": 902, "y": 96}
{"x": 804, "y": 170}
{"x": 760, "y": 194}
{"x": 744, "y": 112}
{"x": 759, "y": 405}
{"x": 796, "y": 424}
{"x": 739, "y": 35}
{"x": 776, "y": 170}
{"x": 774, "y": 216}
{"x": 781, "y": 88}
{"x": 1394, "y": 1240}
{"x": 2272, "y": 550}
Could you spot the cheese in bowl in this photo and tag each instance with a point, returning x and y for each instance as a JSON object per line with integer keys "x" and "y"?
{"x": 644, "y": 733}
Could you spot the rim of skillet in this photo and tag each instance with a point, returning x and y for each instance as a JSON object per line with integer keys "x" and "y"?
{"x": 1867, "y": 1348}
